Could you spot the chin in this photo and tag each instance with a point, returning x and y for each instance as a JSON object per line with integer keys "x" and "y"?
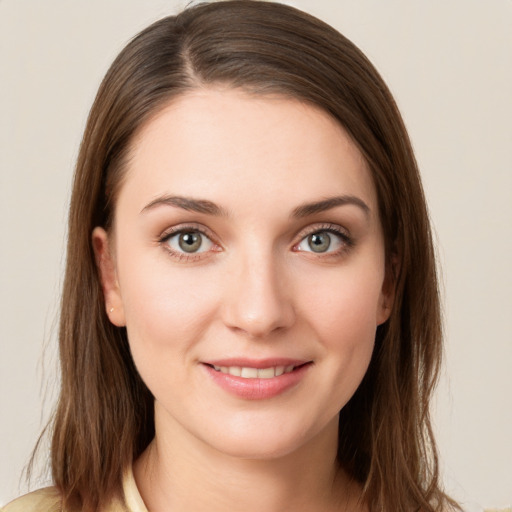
{"x": 258, "y": 448}
{"x": 271, "y": 441}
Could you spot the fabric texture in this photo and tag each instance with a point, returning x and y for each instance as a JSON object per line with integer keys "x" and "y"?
{"x": 42, "y": 500}
{"x": 48, "y": 500}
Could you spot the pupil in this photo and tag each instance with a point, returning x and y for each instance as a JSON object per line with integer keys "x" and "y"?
{"x": 190, "y": 242}
{"x": 319, "y": 242}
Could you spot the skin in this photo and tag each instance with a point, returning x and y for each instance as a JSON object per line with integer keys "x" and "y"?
{"x": 255, "y": 289}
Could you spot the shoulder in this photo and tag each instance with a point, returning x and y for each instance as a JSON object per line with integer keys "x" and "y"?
{"x": 49, "y": 500}
{"x": 42, "y": 500}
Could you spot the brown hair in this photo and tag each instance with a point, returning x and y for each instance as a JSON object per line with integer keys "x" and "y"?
{"x": 104, "y": 418}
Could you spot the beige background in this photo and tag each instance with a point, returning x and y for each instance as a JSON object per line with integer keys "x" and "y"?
{"x": 449, "y": 64}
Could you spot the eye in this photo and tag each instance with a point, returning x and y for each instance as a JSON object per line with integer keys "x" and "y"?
{"x": 189, "y": 241}
{"x": 324, "y": 241}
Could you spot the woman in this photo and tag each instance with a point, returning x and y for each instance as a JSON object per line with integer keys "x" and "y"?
{"x": 250, "y": 315}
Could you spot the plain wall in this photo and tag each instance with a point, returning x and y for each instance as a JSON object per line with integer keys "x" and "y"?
{"x": 449, "y": 65}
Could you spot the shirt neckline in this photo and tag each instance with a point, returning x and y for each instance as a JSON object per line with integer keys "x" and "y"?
{"x": 132, "y": 495}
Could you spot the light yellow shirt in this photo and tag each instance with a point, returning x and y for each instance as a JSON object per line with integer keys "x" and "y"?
{"x": 48, "y": 500}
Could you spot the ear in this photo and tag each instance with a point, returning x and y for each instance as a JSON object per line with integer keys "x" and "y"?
{"x": 107, "y": 270}
{"x": 387, "y": 295}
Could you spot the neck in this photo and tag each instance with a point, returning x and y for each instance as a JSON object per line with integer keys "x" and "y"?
{"x": 180, "y": 472}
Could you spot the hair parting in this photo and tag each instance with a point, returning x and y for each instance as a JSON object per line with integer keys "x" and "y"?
{"x": 104, "y": 417}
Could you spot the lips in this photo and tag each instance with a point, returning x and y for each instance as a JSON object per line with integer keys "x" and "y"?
{"x": 247, "y": 372}
{"x": 257, "y": 379}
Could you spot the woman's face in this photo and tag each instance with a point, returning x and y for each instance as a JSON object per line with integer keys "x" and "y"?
{"x": 247, "y": 264}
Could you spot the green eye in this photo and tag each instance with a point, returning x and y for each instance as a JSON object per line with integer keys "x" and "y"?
{"x": 324, "y": 241}
{"x": 319, "y": 242}
{"x": 188, "y": 242}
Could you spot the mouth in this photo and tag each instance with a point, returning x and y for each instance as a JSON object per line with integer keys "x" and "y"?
{"x": 250, "y": 372}
{"x": 257, "y": 379}
{"x": 251, "y": 379}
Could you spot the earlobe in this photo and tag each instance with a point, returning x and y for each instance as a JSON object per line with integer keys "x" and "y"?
{"x": 107, "y": 270}
{"x": 387, "y": 296}
{"x": 385, "y": 308}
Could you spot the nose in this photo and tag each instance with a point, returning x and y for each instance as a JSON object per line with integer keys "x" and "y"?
{"x": 258, "y": 301}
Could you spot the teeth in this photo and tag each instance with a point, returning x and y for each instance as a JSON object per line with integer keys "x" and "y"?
{"x": 266, "y": 373}
{"x": 233, "y": 370}
{"x": 255, "y": 373}
{"x": 249, "y": 373}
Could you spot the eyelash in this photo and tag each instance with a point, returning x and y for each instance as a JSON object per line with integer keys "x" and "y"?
{"x": 188, "y": 228}
{"x": 346, "y": 241}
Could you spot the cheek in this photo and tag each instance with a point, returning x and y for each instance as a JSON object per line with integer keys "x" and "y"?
{"x": 344, "y": 304}
{"x": 347, "y": 332}
{"x": 342, "y": 313}
{"x": 165, "y": 308}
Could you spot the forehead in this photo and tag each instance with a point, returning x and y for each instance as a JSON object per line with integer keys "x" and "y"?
{"x": 222, "y": 143}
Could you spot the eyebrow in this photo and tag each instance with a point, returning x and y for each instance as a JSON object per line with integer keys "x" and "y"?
{"x": 187, "y": 203}
{"x": 210, "y": 208}
{"x": 308, "y": 209}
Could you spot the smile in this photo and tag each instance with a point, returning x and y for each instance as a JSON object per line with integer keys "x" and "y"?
{"x": 257, "y": 380}
{"x": 254, "y": 373}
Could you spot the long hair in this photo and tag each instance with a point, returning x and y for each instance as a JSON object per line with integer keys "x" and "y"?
{"x": 104, "y": 418}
